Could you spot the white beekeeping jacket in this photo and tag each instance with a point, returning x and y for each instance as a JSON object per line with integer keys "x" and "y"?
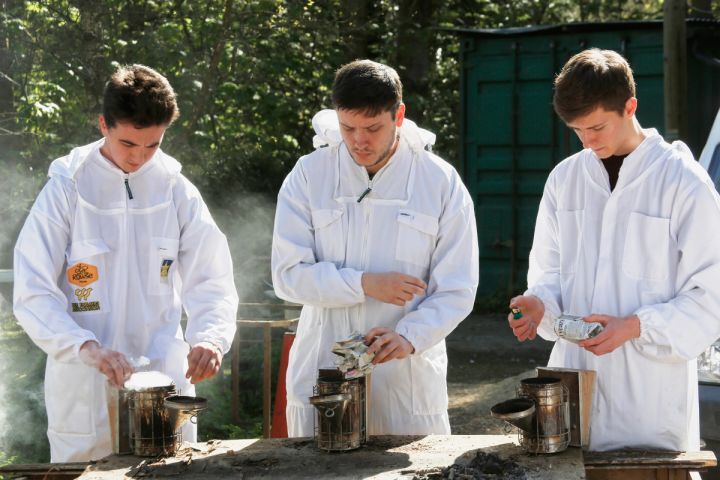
{"x": 648, "y": 248}
{"x": 418, "y": 219}
{"x": 93, "y": 264}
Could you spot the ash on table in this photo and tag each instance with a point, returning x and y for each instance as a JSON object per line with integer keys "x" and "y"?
{"x": 485, "y": 466}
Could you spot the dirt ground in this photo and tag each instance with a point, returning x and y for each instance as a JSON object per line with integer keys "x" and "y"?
{"x": 486, "y": 365}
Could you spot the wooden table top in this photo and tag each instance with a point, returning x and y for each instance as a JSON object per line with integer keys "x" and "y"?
{"x": 384, "y": 457}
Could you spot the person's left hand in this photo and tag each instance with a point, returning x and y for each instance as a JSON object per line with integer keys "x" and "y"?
{"x": 204, "y": 362}
{"x": 617, "y": 330}
{"x": 387, "y": 345}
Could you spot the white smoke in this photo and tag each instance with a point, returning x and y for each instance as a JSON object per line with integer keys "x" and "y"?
{"x": 22, "y": 408}
{"x": 247, "y": 222}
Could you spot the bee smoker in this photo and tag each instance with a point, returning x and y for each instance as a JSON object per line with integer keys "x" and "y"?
{"x": 342, "y": 409}
{"x": 540, "y": 412}
{"x": 146, "y": 421}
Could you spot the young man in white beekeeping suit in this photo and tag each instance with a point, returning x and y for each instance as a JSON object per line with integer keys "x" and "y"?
{"x": 117, "y": 243}
{"x": 626, "y": 236}
{"x": 375, "y": 234}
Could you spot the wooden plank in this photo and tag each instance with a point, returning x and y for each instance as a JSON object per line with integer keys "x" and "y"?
{"x": 651, "y": 474}
{"x": 44, "y": 471}
{"x": 6, "y": 276}
{"x": 581, "y": 386}
{"x": 629, "y": 458}
{"x": 383, "y": 458}
{"x": 245, "y": 322}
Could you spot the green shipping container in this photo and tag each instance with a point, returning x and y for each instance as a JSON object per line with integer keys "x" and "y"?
{"x": 511, "y": 137}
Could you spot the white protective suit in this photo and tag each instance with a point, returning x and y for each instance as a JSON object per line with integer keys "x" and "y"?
{"x": 93, "y": 264}
{"x": 419, "y": 220}
{"x": 648, "y": 248}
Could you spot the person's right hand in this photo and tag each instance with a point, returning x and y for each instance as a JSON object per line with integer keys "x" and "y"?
{"x": 533, "y": 310}
{"x": 112, "y": 364}
{"x": 392, "y": 287}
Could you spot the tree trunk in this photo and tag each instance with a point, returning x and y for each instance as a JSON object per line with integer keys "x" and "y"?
{"x": 357, "y": 13}
{"x": 414, "y": 57}
{"x": 8, "y": 123}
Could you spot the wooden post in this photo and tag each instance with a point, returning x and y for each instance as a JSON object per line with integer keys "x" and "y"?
{"x": 675, "y": 69}
{"x": 235, "y": 374}
{"x": 267, "y": 377}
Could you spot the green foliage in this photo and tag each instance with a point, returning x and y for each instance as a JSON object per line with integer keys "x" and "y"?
{"x": 249, "y": 74}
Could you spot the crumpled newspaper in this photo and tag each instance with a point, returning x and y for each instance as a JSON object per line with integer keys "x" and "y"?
{"x": 575, "y": 329}
{"x": 353, "y": 359}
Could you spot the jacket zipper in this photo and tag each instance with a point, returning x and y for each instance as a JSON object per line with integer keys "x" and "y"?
{"x": 127, "y": 187}
{"x": 365, "y": 193}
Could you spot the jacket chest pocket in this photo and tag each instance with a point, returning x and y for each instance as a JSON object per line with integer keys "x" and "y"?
{"x": 87, "y": 277}
{"x": 162, "y": 265}
{"x": 329, "y": 236}
{"x": 416, "y": 237}
{"x": 570, "y": 238}
{"x": 646, "y": 252}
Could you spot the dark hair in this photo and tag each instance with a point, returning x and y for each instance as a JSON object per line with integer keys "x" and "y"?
{"x": 368, "y": 86}
{"x": 590, "y": 79}
{"x": 139, "y": 95}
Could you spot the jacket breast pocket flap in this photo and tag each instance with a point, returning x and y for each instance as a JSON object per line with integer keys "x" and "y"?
{"x": 416, "y": 237}
{"x": 162, "y": 265}
{"x": 329, "y": 238}
{"x": 647, "y": 242}
{"x": 84, "y": 249}
{"x": 570, "y": 223}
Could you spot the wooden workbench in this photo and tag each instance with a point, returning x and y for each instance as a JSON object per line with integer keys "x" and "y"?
{"x": 386, "y": 457}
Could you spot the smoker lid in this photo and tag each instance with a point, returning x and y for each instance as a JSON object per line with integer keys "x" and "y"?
{"x": 148, "y": 380}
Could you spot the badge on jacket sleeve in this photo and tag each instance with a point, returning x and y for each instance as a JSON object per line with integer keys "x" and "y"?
{"x": 81, "y": 275}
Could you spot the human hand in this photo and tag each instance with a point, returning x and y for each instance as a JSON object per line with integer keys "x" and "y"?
{"x": 392, "y": 287}
{"x": 110, "y": 363}
{"x": 533, "y": 310}
{"x": 387, "y": 345}
{"x": 617, "y": 330}
{"x": 204, "y": 362}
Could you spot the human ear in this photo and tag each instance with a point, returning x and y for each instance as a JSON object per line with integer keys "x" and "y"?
{"x": 103, "y": 125}
{"x": 631, "y": 106}
{"x": 400, "y": 115}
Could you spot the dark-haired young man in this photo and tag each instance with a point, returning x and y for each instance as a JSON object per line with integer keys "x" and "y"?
{"x": 626, "y": 236}
{"x": 375, "y": 234}
{"x": 117, "y": 243}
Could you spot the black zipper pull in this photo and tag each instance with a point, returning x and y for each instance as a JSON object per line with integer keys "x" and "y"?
{"x": 127, "y": 187}
{"x": 364, "y": 194}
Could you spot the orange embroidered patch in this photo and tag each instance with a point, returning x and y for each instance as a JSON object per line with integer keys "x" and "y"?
{"x": 82, "y": 274}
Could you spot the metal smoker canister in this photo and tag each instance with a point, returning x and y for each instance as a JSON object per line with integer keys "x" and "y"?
{"x": 119, "y": 417}
{"x": 550, "y": 431}
{"x": 152, "y": 431}
{"x": 342, "y": 408}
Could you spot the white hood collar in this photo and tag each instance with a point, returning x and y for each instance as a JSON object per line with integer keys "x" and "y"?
{"x": 69, "y": 165}
{"x": 327, "y": 130}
